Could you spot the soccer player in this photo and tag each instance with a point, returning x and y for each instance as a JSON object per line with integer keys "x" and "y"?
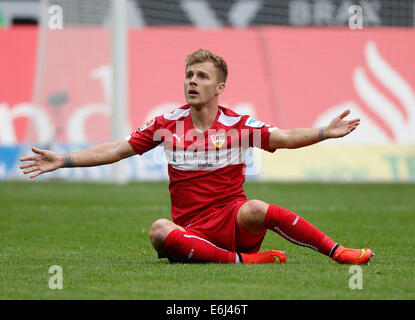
{"x": 204, "y": 143}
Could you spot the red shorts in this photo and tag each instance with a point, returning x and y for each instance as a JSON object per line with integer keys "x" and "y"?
{"x": 221, "y": 228}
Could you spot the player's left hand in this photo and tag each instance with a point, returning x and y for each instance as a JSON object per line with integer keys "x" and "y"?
{"x": 339, "y": 127}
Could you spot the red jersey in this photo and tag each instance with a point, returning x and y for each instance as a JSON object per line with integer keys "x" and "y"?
{"x": 206, "y": 169}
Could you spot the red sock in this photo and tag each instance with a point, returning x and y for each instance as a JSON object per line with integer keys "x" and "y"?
{"x": 182, "y": 247}
{"x": 297, "y": 230}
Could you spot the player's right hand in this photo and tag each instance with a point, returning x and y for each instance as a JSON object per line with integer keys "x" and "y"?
{"x": 46, "y": 161}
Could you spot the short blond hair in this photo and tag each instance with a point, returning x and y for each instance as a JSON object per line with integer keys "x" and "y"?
{"x": 203, "y": 55}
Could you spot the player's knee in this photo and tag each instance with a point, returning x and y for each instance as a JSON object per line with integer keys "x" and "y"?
{"x": 254, "y": 211}
{"x": 159, "y": 231}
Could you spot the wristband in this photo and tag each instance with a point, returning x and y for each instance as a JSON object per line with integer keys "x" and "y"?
{"x": 68, "y": 162}
{"x": 321, "y": 134}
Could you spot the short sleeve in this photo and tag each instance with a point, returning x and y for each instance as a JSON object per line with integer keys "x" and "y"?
{"x": 259, "y": 133}
{"x": 144, "y": 139}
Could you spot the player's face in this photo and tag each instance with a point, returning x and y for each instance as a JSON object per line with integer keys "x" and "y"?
{"x": 201, "y": 84}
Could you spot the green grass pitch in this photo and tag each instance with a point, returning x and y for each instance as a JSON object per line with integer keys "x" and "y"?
{"x": 98, "y": 234}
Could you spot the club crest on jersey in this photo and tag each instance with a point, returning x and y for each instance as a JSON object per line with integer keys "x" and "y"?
{"x": 254, "y": 123}
{"x": 218, "y": 139}
{"x": 147, "y": 124}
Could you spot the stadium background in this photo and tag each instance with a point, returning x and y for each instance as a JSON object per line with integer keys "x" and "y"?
{"x": 292, "y": 63}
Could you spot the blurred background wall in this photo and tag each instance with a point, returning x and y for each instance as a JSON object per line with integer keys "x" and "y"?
{"x": 291, "y": 64}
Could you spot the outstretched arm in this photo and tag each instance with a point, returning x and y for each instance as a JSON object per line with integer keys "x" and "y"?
{"x": 47, "y": 161}
{"x": 301, "y": 137}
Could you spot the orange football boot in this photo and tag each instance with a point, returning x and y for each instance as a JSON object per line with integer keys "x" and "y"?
{"x": 272, "y": 256}
{"x": 352, "y": 256}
